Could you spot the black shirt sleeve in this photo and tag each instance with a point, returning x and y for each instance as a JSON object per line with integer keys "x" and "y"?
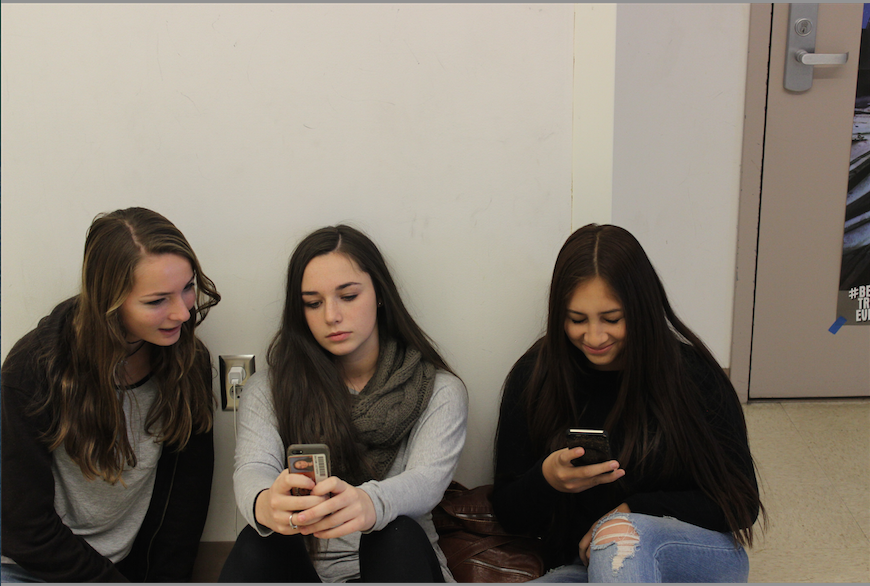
{"x": 522, "y": 498}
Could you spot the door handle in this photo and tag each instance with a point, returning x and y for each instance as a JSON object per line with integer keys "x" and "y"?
{"x": 800, "y": 56}
{"x": 821, "y": 58}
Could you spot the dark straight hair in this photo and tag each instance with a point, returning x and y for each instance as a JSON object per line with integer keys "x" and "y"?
{"x": 658, "y": 407}
{"x": 311, "y": 400}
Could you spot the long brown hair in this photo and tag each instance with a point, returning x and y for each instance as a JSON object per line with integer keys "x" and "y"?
{"x": 659, "y": 408}
{"x": 310, "y": 396}
{"x": 85, "y": 367}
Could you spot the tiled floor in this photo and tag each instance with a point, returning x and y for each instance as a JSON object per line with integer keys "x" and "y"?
{"x": 814, "y": 469}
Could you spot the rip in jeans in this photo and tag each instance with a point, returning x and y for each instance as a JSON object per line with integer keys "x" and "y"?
{"x": 618, "y": 530}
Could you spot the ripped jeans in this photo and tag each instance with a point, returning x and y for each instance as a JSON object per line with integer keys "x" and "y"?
{"x": 660, "y": 549}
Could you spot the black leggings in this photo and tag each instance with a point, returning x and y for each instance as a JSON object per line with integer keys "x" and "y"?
{"x": 400, "y": 552}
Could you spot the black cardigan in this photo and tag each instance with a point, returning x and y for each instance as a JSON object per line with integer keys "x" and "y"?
{"x": 32, "y": 532}
{"x": 524, "y": 502}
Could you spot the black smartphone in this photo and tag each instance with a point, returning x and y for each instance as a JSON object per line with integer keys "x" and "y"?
{"x": 594, "y": 441}
{"x": 312, "y": 460}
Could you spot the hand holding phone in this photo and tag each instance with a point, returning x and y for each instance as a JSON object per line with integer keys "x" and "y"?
{"x": 567, "y": 473}
{"x": 593, "y": 441}
{"x": 311, "y": 460}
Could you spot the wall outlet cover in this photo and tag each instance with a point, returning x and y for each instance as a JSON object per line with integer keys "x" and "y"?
{"x": 235, "y": 370}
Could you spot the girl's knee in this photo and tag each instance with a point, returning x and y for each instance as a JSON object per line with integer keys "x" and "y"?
{"x": 400, "y": 552}
{"x": 402, "y": 527}
{"x": 403, "y": 523}
{"x": 635, "y": 547}
{"x": 619, "y": 531}
{"x": 617, "y": 528}
{"x": 401, "y": 532}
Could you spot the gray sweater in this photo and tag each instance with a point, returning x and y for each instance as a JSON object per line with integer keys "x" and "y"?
{"x": 413, "y": 486}
{"x": 108, "y": 516}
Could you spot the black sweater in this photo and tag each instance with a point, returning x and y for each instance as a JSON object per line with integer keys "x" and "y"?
{"x": 32, "y": 532}
{"x": 524, "y": 502}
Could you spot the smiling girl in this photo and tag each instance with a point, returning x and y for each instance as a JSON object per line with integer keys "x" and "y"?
{"x": 350, "y": 368}
{"x": 107, "y": 416}
{"x": 678, "y": 502}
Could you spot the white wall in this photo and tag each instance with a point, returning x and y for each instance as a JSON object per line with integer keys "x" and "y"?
{"x": 594, "y": 88}
{"x": 678, "y": 131}
{"x": 444, "y": 131}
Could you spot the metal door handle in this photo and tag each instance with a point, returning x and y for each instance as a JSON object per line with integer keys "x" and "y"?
{"x": 808, "y": 58}
{"x": 800, "y": 55}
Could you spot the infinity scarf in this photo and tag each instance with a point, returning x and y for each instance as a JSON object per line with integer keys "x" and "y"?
{"x": 391, "y": 403}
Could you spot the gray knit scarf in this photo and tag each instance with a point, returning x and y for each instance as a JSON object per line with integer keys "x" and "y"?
{"x": 390, "y": 404}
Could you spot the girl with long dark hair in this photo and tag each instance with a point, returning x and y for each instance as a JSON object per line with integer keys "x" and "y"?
{"x": 678, "y": 501}
{"x": 108, "y": 413}
{"x": 349, "y": 368}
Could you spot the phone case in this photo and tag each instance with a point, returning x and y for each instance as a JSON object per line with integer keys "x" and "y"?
{"x": 312, "y": 460}
{"x": 595, "y": 443}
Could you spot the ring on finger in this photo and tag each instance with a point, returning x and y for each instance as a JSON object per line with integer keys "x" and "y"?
{"x": 292, "y": 524}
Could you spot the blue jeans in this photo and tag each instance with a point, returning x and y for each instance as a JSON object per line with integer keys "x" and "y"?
{"x": 666, "y": 550}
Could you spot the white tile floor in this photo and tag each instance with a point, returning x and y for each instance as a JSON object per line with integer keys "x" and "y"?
{"x": 813, "y": 461}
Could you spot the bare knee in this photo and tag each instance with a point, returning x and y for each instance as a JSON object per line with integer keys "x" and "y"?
{"x": 620, "y": 531}
{"x": 617, "y": 529}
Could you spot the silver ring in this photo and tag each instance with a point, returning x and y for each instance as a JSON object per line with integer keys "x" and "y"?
{"x": 293, "y": 525}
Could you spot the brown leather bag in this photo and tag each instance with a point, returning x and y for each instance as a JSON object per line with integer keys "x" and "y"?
{"x": 477, "y": 548}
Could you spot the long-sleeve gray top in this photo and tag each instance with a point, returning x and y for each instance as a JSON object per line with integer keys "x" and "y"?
{"x": 414, "y": 485}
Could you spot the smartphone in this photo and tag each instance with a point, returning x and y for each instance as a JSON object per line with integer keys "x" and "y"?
{"x": 312, "y": 460}
{"x": 594, "y": 441}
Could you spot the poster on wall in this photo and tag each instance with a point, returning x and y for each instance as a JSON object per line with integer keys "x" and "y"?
{"x": 853, "y": 302}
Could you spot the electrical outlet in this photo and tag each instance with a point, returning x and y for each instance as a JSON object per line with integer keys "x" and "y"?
{"x": 234, "y": 371}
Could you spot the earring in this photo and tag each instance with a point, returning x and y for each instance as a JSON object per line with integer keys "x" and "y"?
{"x": 380, "y": 303}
